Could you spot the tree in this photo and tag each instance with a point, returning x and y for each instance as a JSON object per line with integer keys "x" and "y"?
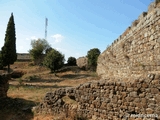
{"x": 71, "y": 61}
{"x": 48, "y": 50}
{"x": 92, "y": 56}
{"x": 9, "y": 55}
{"x": 54, "y": 60}
{"x": 157, "y": 1}
{"x": 38, "y": 50}
{"x": 1, "y": 62}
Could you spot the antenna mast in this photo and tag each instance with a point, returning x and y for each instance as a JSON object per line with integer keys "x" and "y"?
{"x": 46, "y": 24}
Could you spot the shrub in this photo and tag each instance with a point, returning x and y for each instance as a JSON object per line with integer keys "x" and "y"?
{"x": 92, "y": 56}
{"x": 71, "y": 61}
{"x": 157, "y": 1}
{"x": 54, "y": 60}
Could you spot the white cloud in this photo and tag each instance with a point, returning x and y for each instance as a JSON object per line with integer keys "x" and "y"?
{"x": 57, "y": 38}
{"x": 27, "y": 39}
{"x": 32, "y": 38}
{"x": 61, "y": 49}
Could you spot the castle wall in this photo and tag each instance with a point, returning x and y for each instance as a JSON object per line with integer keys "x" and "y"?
{"x": 130, "y": 85}
{"x": 137, "y": 51}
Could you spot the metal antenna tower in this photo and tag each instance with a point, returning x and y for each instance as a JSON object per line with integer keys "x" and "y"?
{"x": 46, "y": 24}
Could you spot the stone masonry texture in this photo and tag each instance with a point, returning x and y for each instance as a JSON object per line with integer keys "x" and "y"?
{"x": 104, "y": 100}
{"x": 4, "y": 85}
{"x": 82, "y": 62}
{"x": 129, "y": 88}
{"x": 137, "y": 51}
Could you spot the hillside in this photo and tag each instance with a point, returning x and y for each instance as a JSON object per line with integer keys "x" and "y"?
{"x": 30, "y": 89}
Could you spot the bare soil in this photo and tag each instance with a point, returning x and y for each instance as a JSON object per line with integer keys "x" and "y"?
{"x": 29, "y": 90}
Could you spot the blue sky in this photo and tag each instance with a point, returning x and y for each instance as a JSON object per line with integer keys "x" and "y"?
{"x": 74, "y": 26}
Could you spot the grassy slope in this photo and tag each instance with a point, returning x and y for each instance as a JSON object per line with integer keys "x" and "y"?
{"x": 29, "y": 90}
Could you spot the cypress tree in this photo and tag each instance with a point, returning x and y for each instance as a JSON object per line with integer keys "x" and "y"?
{"x": 9, "y": 55}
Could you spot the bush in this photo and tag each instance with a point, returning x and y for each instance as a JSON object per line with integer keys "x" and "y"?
{"x": 157, "y": 1}
{"x": 32, "y": 77}
{"x": 92, "y": 56}
{"x": 1, "y": 63}
{"x": 39, "y": 47}
{"x": 54, "y": 60}
{"x": 71, "y": 61}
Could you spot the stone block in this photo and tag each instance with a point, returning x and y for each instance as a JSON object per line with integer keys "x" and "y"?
{"x": 133, "y": 94}
{"x": 123, "y": 94}
{"x": 103, "y": 105}
{"x": 129, "y": 89}
{"x": 157, "y": 98}
{"x": 140, "y": 105}
{"x": 114, "y": 99}
{"x": 152, "y": 100}
{"x": 158, "y": 40}
{"x": 151, "y": 105}
{"x": 137, "y": 110}
{"x": 154, "y": 90}
{"x": 137, "y": 100}
{"x": 145, "y": 85}
{"x": 149, "y": 111}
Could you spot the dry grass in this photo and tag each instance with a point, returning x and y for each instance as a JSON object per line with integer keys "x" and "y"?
{"x": 38, "y": 80}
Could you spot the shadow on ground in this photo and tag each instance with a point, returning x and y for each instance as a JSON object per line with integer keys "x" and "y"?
{"x": 39, "y": 80}
{"x": 75, "y": 76}
{"x": 16, "y": 109}
{"x": 30, "y": 86}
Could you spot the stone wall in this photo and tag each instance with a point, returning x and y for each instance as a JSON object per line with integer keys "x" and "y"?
{"x": 130, "y": 85}
{"x": 108, "y": 100}
{"x": 4, "y": 85}
{"x": 82, "y": 62}
{"x": 137, "y": 51}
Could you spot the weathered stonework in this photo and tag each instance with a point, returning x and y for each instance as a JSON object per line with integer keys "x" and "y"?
{"x": 107, "y": 100}
{"x": 137, "y": 51}
{"x": 4, "y": 85}
{"x": 130, "y": 84}
{"x": 82, "y": 62}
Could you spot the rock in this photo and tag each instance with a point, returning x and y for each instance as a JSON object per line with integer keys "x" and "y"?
{"x": 149, "y": 111}
{"x": 4, "y": 85}
{"x": 151, "y": 76}
{"x": 82, "y": 62}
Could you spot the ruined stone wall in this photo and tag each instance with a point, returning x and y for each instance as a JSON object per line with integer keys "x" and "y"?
{"x": 4, "y": 85}
{"x": 82, "y": 62}
{"x": 108, "y": 100}
{"x": 135, "y": 55}
{"x": 137, "y": 51}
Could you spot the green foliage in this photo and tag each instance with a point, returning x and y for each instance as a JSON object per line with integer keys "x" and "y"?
{"x": 92, "y": 56}
{"x": 157, "y": 1}
{"x": 32, "y": 77}
{"x": 48, "y": 50}
{"x": 93, "y": 74}
{"x": 54, "y": 60}
{"x": 9, "y": 55}
{"x": 1, "y": 62}
{"x": 71, "y": 61}
{"x": 20, "y": 81}
{"x": 39, "y": 47}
